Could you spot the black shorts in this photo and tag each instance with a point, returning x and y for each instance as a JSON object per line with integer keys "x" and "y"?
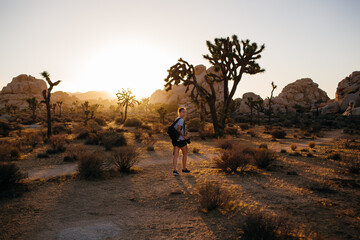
{"x": 180, "y": 143}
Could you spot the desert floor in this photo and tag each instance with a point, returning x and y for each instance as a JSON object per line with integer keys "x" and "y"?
{"x": 314, "y": 193}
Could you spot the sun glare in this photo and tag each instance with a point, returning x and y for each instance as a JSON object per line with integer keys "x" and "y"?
{"x": 139, "y": 67}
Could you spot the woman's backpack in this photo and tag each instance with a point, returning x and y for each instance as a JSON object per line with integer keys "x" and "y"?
{"x": 172, "y": 132}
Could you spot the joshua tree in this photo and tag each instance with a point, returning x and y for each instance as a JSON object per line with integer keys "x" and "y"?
{"x": 254, "y": 104}
{"x": 86, "y": 109}
{"x": 33, "y": 104}
{"x": 59, "y": 104}
{"x": 269, "y": 112}
{"x": 47, "y": 95}
{"x": 93, "y": 109}
{"x": 126, "y": 99}
{"x": 162, "y": 112}
{"x": 231, "y": 59}
{"x": 146, "y": 103}
{"x": 53, "y": 107}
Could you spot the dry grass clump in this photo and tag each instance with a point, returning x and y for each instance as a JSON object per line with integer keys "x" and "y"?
{"x": 353, "y": 164}
{"x": 9, "y": 152}
{"x": 311, "y": 145}
{"x": 124, "y": 158}
{"x": 231, "y": 130}
{"x": 212, "y": 195}
{"x": 335, "y": 156}
{"x": 244, "y": 126}
{"x": 112, "y": 139}
{"x": 56, "y": 144}
{"x": 196, "y": 150}
{"x": 263, "y": 157}
{"x": 293, "y": 147}
{"x": 133, "y": 122}
{"x": 235, "y": 159}
{"x": 259, "y": 225}
{"x": 91, "y": 165}
{"x": 225, "y": 143}
{"x": 278, "y": 133}
{"x": 138, "y": 135}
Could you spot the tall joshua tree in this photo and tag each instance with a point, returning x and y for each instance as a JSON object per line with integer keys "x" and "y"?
{"x": 47, "y": 95}
{"x": 231, "y": 59}
{"x": 269, "y": 112}
{"x": 126, "y": 99}
{"x": 33, "y": 105}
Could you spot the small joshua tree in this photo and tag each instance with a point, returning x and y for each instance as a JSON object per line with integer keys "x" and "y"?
{"x": 59, "y": 104}
{"x": 33, "y": 105}
{"x": 86, "y": 109}
{"x": 47, "y": 95}
{"x": 162, "y": 112}
{"x": 269, "y": 112}
{"x": 126, "y": 99}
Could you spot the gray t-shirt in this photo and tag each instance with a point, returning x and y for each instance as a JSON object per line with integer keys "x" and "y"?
{"x": 180, "y": 123}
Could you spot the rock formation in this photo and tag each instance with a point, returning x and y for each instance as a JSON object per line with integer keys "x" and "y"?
{"x": 21, "y": 88}
{"x": 348, "y": 90}
{"x": 301, "y": 93}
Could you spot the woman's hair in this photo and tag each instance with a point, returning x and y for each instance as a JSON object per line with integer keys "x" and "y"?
{"x": 180, "y": 109}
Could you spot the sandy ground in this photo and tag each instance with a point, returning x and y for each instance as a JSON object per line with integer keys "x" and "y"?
{"x": 153, "y": 204}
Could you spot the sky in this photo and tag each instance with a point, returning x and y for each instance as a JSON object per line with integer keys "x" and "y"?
{"x": 109, "y": 45}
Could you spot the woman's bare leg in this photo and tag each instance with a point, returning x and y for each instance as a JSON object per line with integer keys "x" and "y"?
{"x": 175, "y": 157}
{"x": 184, "y": 157}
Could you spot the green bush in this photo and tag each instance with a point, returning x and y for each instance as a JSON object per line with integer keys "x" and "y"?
{"x": 133, "y": 122}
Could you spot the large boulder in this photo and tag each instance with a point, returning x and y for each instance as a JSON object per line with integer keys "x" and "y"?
{"x": 348, "y": 90}
{"x": 21, "y": 88}
{"x": 177, "y": 93}
{"x": 302, "y": 93}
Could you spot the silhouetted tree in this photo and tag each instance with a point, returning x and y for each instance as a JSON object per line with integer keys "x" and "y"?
{"x": 254, "y": 105}
{"x": 86, "y": 109}
{"x": 33, "y": 105}
{"x": 53, "y": 107}
{"x": 269, "y": 111}
{"x": 47, "y": 95}
{"x": 59, "y": 104}
{"x": 146, "y": 103}
{"x": 231, "y": 59}
{"x": 126, "y": 99}
{"x": 162, "y": 112}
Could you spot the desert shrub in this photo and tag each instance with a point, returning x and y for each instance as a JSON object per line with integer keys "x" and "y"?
{"x": 101, "y": 121}
{"x": 9, "y": 152}
{"x": 334, "y": 156}
{"x": 93, "y": 139}
{"x": 244, "y": 126}
{"x": 195, "y": 150}
{"x": 82, "y": 132}
{"x": 252, "y": 133}
{"x": 150, "y": 143}
{"x": 225, "y": 143}
{"x": 119, "y": 120}
{"x": 32, "y": 138}
{"x": 278, "y": 133}
{"x": 56, "y": 144}
{"x": 112, "y": 139}
{"x": 93, "y": 126}
{"x": 311, "y": 144}
{"x": 70, "y": 158}
{"x": 351, "y": 144}
{"x": 58, "y": 128}
{"x": 138, "y": 135}
{"x": 146, "y": 127}
{"x": 261, "y": 226}
{"x": 43, "y": 155}
{"x": 353, "y": 165}
{"x": 133, "y": 122}
{"x": 293, "y": 146}
{"x": 90, "y": 165}
{"x": 212, "y": 196}
{"x": 10, "y": 174}
{"x": 263, "y": 157}
{"x": 283, "y": 150}
{"x": 234, "y": 159}
{"x": 4, "y": 128}
{"x": 124, "y": 158}
{"x": 263, "y": 145}
{"x": 150, "y": 148}
{"x": 193, "y": 125}
{"x": 158, "y": 127}
{"x": 231, "y": 130}
{"x": 322, "y": 186}
{"x": 207, "y": 131}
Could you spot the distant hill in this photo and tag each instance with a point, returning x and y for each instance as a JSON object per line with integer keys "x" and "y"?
{"x": 93, "y": 95}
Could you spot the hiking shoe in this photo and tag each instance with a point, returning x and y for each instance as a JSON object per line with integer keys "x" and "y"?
{"x": 185, "y": 170}
{"x": 175, "y": 173}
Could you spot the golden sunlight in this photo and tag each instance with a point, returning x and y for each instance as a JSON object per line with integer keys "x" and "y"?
{"x": 136, "y": 66}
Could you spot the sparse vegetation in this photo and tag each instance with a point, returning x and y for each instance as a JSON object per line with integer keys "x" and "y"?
{"x": 124, "y": 158}
{"x": 235, "y": 159}
{"x": 212, "y": 196}
{"x": 112, "y": 139}
{"x": 91, "y": 165}
{"x": 278, "y": 133}
{"x": 225, "y": 143}
{"x": 263, "y": 157}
